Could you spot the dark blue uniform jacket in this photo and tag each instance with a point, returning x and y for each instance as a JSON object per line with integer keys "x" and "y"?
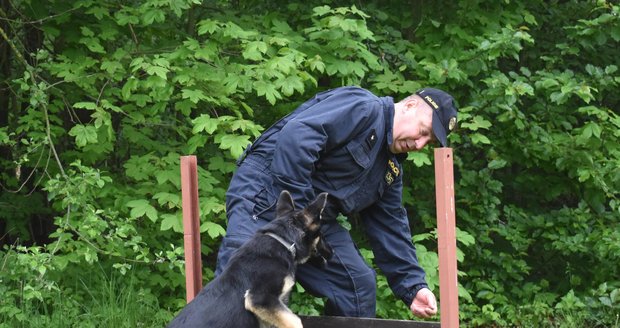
{"x": 338, "y": 142}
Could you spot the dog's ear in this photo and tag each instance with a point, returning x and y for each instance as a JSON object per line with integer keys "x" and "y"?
{"x": 285, "y": 204}
{"x": 315, "y": 209}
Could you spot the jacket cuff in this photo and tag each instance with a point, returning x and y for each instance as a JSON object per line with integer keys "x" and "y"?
{"x": 408, "y": 298}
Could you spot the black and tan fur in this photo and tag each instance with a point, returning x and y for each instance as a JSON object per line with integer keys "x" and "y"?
{"x": 253, "y": 290}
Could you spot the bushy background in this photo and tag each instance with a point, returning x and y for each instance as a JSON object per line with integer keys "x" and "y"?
{"x": 98, "y": 99}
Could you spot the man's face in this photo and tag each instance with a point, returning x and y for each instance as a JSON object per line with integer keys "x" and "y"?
{"x": 413, "y": 127}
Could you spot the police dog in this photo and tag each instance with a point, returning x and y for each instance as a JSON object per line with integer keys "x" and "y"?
{"x": 253, "y": 289}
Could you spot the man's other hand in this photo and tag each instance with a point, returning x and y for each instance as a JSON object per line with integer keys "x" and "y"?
{"x": 424, "y": 304}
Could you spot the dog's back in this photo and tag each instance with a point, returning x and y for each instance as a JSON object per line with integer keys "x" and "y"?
{"x": 260, "y": 264}
{"x": 219, "y": 304}
{"x": 260, "y": 274}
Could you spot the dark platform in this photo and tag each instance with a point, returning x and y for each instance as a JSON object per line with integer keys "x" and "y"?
{"x": 341, "y": 322}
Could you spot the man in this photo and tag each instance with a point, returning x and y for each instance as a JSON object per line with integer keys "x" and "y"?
{"x": 351, "y": 144}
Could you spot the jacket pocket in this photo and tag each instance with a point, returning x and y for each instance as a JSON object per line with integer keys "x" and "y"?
{"x": 346, "y": 165}
{"x": 264, "y": 205}
{"x": 359, "y": 154}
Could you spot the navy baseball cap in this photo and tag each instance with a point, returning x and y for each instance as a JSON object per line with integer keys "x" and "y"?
{"x": 444, "y": 112}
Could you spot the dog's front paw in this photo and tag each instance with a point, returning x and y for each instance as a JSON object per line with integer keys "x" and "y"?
{"x": 293, "y": 321}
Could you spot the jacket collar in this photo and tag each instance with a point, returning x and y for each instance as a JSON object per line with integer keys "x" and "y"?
{"x": 388, "y": 110}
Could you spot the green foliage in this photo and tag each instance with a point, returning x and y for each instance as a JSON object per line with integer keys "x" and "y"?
{"x": 89, "y": 297}
{"x": 103, "y": 97}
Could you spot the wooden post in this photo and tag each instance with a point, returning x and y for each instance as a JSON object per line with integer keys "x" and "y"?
{"x": 191, "y": 226}
{"x": 446, "y": 237}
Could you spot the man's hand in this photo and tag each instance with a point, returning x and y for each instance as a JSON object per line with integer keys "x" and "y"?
{"x": 424, "y": 304}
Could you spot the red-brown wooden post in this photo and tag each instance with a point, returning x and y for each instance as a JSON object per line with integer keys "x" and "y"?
{"x": 446, "y": 238}
{"x": 191, "y": 226}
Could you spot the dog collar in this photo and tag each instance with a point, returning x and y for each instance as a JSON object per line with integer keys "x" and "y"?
{"x": 290, "y": 247}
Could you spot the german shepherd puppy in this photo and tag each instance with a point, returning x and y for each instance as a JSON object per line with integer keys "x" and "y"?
{"x": 253, "y": 289}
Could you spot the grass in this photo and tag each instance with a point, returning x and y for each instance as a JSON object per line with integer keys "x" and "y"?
{"x": 97, "y": 300}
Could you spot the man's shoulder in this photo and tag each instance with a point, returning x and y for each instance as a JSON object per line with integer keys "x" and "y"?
{"x": 355, "y": 91}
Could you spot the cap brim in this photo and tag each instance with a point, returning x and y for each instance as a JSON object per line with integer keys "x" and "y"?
{"x": 439, "y": 130}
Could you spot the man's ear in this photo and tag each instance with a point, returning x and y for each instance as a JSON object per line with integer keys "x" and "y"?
{"x": 285, "y": 204}
{"x": 411, "y": 104}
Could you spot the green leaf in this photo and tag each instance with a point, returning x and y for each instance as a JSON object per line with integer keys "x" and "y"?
{"x": 157, "y": 70}
{"x": 591, "y": 129}
{"x": 247, "y": 108}
{"x": 171, "y": 221}
{"x": 477, "y": 122}
{"x": 522, "y": 88}
{"x": 290, "y": 84}
{"x": 128, "y": 87}
{"x": 549, "y": 83}
{"x": 207, "y": 26}
{"x": 268, "y": 90}
{"x": 235, "y": 143}
{"x": 141, "y": 207}
{"x": 93, "y": 45}
{"x": 283, "y": 64}
{"x": 321, "y": 10}
{"x": 529, "y": 18}
{"x": 87, "y": 31}
{"x": 98, "y": 12}
{"x": 85, "y": 105}
{"x": 611, "y": 69}
{"x": 478, "y": 138}
{"x": 195, "y": 142}
{"x": 84, "y": 134}
{"x": 193, "y": 95}
{"x": 123, "y": 17}
{"x": 317, "y": 64}
{"x": 163, "y": 62}
{"x": 210, "y": 205}
{"x": 205, "y": 123}
{"x": 111, "y": 66}
{"x": 185, "y": 106}
{"x": 153, "y": 15}
{"x": 615, "y": 296}
{"x": 254, "y": 50}
{"x": 465, "y": 237}
{"x": 497, "y": 164}
{"x": 585, "y": 92}
{"x": 166, "y": 175}
{"x": 218, "y": 163}
{"x": 102, "y": 118}
{"x": 214, "y": 230}
{"x": 419, "y": 158}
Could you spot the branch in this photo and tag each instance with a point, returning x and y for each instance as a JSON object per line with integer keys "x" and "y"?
{"x": 49, "y": 138}
{"x": 17, "y": 53}
{"x": 33, "y": 74}
{"x": 29, "y": 176}
{"x": 34, "y": 22}
{"x": 133, "y": 35}
{"x": 101, "y": 92}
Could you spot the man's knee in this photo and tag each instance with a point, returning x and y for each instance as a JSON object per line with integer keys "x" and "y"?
{"x": 366, "y": 294}
{"x": 367, "y": 283}
{"x": 358, "y": 301}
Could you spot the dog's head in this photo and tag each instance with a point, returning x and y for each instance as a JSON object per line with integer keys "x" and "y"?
{"x": 307, "y": 223}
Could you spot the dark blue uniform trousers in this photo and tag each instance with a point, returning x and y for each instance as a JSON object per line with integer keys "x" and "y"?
{"x": 347, "y": 282}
